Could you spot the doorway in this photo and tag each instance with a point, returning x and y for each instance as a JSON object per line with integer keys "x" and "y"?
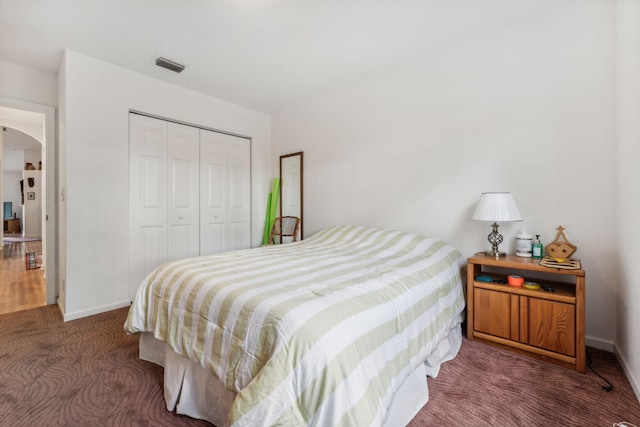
{"x": 38, "y": 121}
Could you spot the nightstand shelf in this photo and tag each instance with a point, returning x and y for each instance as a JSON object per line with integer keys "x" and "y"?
{"x": 546, "y": 325}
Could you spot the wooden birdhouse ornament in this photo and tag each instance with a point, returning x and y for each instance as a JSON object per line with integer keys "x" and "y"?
{"x": 561, "y": 249}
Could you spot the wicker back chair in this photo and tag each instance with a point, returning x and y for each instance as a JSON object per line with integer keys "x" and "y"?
{"x": 285, "y": 226}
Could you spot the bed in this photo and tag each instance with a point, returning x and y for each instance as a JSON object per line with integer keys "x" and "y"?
{"x": 340, "y": 329}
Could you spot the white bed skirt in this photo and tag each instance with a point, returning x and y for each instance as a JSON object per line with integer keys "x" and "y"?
{"x": 191, "y": 390}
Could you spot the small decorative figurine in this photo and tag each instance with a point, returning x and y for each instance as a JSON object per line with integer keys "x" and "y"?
{"x": 561, "y": 249}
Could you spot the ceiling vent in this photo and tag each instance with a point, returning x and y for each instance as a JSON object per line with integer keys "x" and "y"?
{"x": 169, "y": 65}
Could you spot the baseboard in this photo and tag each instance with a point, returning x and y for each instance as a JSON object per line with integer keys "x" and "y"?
{"x": 96, "y": 310}
{"x": 635, "y": 385}
{"x": 599, "y": 344}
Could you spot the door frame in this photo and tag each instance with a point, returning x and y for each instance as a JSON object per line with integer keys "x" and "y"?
{"x": 50, "y": 208}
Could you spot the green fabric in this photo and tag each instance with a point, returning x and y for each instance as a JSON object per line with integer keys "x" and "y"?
{"x": 267, "y": 221}
{"x": 272, "y": 210}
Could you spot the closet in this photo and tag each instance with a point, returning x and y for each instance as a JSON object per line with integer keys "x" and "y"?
{"x": 189, "y": 193}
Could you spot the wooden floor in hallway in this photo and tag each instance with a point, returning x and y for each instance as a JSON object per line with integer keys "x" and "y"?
{"x": 20, "y": 289}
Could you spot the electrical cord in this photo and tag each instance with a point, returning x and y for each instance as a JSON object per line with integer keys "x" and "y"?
{"x": 607, "y": 387}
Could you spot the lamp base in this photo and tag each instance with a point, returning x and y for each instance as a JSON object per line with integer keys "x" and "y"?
{"x": 494, "y": 253}
{"x": 495, "y": 239}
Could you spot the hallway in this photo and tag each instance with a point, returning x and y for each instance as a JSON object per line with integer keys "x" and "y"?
{"x": 20, "y": 289}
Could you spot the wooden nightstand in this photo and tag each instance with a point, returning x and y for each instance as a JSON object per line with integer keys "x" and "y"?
{"x": 542, "y": 324}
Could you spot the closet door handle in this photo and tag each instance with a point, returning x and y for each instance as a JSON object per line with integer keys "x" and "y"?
{"x": 180, "y": 217}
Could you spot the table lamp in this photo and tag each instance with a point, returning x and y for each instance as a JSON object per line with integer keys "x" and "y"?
{"x": 496, "y": 207}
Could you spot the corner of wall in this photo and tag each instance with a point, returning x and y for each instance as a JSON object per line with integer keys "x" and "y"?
{"x": 635, "y": 384}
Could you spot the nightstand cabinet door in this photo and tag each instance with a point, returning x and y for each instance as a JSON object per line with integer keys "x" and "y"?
{"x": 550, "y": 325}
{"x": 496, "y": 314}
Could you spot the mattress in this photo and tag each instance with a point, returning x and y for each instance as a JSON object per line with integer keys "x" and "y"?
{"x": 320, "y": 332}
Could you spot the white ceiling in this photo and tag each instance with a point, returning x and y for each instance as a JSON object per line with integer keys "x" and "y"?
{"x": 263, "y": 54}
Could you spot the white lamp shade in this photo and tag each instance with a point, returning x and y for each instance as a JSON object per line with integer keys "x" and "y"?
{"x": 497, "y": 207}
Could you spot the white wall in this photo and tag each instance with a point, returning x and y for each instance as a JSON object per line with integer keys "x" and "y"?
{"x": 628, "y": 315}
{"x": 11, "y": 184}
{"x": 32, "y": 208}
{"x": 527, "y": 108}
{"x": 19, "y": 149}
{"x": 61, "y": 199}
{"x": 34, "y": 157}
{"x": 11, "y": 188}
{"x": 14, "y": 163}
{"x": 94, "y": 141}
{"x": 27, "y": 84}
{"x": 34, "y": 91}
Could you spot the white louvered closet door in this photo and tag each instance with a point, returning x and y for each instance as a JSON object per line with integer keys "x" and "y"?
{"x": 189, "y": 194}
{"x": 147, "y": 197}
{"x": 213, "y": 200}
{"x": 184, "y": 191}
{"x": 225, "y": 197}
{"x": 239, "y": 193}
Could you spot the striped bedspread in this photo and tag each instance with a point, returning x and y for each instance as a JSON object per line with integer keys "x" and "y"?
{"x": 320, "y": 332}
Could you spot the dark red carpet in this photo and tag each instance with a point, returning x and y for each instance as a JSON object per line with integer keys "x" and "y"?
{"x": 87, "y": 373}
